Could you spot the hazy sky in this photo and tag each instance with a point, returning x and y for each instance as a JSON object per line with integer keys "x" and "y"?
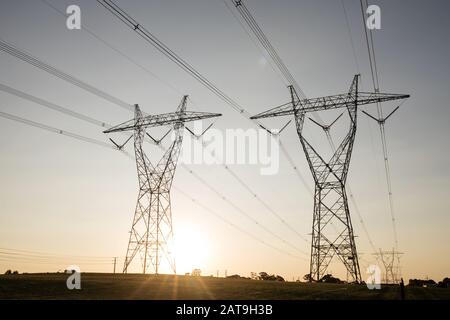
{"x": 62, "y": 196}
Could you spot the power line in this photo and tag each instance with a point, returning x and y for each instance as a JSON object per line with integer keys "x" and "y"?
{"x": 14, "y": 251}
{"x": 240, "y": 181}
{"x": 93, "y": 34}
{"x": 269, "y": 49}
{"x": 151, "y": 73}
{"x": 54, "y": 130}
{"x": 276, "y": 59}
{"x": 160, "y": 46}
{"x": 106, "y": 125}
{"x": 265, "y": 43}
{"x": 53, "y": 263}
{"x": 349, "y": 31}
{"x": 239, "y": 228}
{"x": 52, "y": 106}
{"x": 257, "y": 31}
{"x": 351, "y": 196}
{"x": 89, "y": 140}
{"x": 271, "y": 62}
{"x": 48, "y": 253}
{"x": 284, "y": 80}
{"x": 36, "y": 257}
{"x": 220, "y": 195}
{"x": 294, "y": 166}
{"x": 12, "y": 256}
{"x": 91, "y": 120}
{"x": 265, "y": 205}
{"x": 22, "y": 55}
{"x": 381, "y": 119}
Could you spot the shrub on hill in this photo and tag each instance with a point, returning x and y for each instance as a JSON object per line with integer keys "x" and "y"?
{"x": 328, "y": 278}
{"x": 421, "y": 283}
{"x": 445, "y": 283}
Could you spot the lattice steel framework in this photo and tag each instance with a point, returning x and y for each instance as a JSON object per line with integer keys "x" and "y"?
{"x": 391, "y": 263}
{"x": 332, "y": 231}
{"x": 151, "y": 234}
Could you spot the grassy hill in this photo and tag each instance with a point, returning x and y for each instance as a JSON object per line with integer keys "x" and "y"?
{"x": 138, "y": 286}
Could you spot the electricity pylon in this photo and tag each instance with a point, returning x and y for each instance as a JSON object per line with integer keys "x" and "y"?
{"x": 391, "y": 263}
{"x": 151, "y": 232}
{"x": 330, "y": 198}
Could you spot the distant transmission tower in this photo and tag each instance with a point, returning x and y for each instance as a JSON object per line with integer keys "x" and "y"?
{"x": 151, "y": 231}
{"x": 330, "y": 198}
{"x": 391, "y": 263}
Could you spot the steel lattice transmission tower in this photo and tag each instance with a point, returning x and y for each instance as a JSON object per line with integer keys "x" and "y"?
{"x": 391, "y": 263}
{"x": 332, "y": 231}
{"x": 151, "y": 233}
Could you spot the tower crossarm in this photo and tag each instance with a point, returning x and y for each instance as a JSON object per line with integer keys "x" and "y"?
{"x": 163, "y": 120}
{"x": 329, "y": 102}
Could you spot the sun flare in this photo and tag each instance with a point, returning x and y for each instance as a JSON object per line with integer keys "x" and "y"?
{"x": 190, "y": 249}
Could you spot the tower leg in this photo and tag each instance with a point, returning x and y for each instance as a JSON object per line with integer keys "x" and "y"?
{"x": 332, "y": 233}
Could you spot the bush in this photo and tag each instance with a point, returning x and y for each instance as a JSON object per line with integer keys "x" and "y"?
{"x": 11, "y": 272}
{"x": 445, "y": 283}
{"x": 421, "y": 283}
{"x": 270, "y": 277}
{"x": 280, "y": 278}
{"x": 328, "y": 278}
{"x": 307, "y": 277}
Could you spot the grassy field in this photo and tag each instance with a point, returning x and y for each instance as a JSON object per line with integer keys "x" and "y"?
{"x": 137, "y": 286}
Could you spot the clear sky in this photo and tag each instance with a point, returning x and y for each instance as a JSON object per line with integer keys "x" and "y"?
{"x": 63, "y": 196}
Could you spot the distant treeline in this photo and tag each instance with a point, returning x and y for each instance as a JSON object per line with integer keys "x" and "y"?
{"x": 260, "y": 276}
{"x": 445, "y": 283}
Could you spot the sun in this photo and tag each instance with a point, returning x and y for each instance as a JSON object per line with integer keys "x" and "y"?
{"x": 190, "y": 249}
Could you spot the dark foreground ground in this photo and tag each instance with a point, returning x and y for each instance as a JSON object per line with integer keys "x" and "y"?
{"x": 133, "y": 286}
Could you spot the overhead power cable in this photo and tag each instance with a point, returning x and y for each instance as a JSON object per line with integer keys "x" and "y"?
{"x": 381, "y": 120}
{"x": 239, "y": 228}
{"x": 52, "y": 106}
{"x": 149, "y": 37}
{"x": 32, "y": 253}
{"x": 349, "y": 31}
{"x": 106, "y": 125}
{"x": 257, "y": 45}
{"x": 89, "y": 140}
{"x": 160, "y": 46}
{"x": 22, "y": 55}
{"x": 270, "y": 50}
{"x": 96, "y": 36}
{"x": 351, "y": 196}
{"x": 54, "y": 130}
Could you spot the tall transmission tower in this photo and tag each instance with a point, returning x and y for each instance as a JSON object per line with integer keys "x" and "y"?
{"x": 391, "y": 263}
{"x": 330, "y": 198}
{"x": 151, "y": 234}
